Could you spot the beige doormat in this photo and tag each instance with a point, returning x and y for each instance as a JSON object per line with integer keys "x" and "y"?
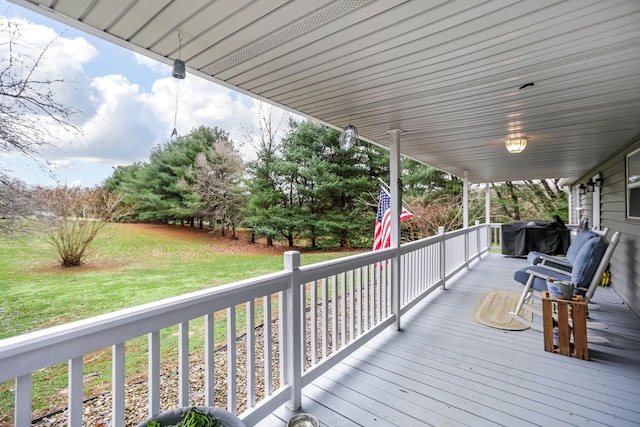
{"x": 493, "y": 310}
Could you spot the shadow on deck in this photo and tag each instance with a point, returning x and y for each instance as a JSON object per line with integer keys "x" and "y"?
{"x": 445, "y": 369}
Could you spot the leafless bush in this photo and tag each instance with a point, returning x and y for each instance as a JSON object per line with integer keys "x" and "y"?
{"x": 74, "y": 216}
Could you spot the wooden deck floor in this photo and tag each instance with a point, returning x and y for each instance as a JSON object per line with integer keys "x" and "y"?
{"x": 443, "y": 369}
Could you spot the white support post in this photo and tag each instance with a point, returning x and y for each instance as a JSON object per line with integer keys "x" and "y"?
{"x": 293, "y": 331}
{"x": 487, "y": 203}
{"x": 465, "y": 200}
{"x": 465, "y": 215}
{"x": 570, "y": 213}
{"x": 595, "y": 205}
{"x": 478, "y": 240}
{"x": 396, "y": 206}
{"x": 487, "y": 212}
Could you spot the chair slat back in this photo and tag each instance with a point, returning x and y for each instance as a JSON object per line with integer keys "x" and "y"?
{"x": 602, "y": 266}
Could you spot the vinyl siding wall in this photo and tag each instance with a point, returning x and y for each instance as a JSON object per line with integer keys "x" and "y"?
{"x": 625, "y": 264}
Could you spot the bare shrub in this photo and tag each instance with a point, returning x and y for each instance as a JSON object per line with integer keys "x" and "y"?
{"x": 73, "y": 217}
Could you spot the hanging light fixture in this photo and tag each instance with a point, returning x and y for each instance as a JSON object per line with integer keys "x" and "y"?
{"x": 179, "y": 72}
{"x": 179, "y": 67}
{"x": 591, "y": 186}
{"x": 348, "y": 137}
{"x": 516, "y": 145}
{"x": 582, "y": 190}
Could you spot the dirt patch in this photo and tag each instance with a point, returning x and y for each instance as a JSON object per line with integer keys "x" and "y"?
{"x": 219, "y": 244}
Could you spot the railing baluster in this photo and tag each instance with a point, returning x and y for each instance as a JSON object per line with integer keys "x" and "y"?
{"x": 325, "y": 318}
{"x": 302, "y": 321}
{"x": 366, "y": 301}
{"x": 117, "y": 384}
{"x": 209, "y": 359}
{"x": 378, "y": 291}
{"x": 334, "y": 314}
{"x": 352, "y": 306}
{"x": 359, "y": 305}
{"x": 268, "y": 344}
{"x": 183, "y": 364}
{"x": 231, "y": 360}
{"x": 22, "y": 412}
{"x": 313, "y": 329}
{"x": 75, "y": 392}
{"x": 343, "y": 311}
{"x": 385, "y": 288}
{"x": 281, "y": 344}
{"x": 154, "y": 373}
{"x": 251, "y": 354}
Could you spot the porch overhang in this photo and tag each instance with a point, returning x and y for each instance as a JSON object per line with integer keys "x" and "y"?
{"x": 453, "y": 76}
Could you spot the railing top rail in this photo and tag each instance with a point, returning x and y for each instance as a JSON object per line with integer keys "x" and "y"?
{"x": 336, "y": 266}
{"x": 25, "y": 353}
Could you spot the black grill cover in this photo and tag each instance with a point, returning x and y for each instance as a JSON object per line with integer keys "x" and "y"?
{"x": 521, "y": 237}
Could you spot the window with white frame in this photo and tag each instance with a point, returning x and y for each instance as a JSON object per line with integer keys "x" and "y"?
{"x": 633, "y": 185}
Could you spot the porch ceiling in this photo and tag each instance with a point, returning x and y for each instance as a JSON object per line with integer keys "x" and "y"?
{"x": 447, "y": 73}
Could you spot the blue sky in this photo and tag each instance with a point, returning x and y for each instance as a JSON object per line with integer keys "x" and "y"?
{"x": 127, "y": 104}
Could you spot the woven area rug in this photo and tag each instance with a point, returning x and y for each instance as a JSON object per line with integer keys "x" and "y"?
{"x": 493, "y": 310}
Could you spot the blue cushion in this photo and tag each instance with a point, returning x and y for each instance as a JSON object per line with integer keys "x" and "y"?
{"x": 581, "y": 238}
{"x": 539, "y": 284}
{"x": 587, "y": 260}
{"x": 535, "y": 257}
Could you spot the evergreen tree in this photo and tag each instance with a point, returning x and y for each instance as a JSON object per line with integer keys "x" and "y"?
{"x": 155, "y": 188}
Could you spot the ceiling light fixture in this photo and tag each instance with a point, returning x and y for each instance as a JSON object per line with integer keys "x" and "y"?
{"x": 179, "y": 72}
{"x": 516, "y": 145}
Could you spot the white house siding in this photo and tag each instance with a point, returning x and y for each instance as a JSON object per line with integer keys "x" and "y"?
{"x": 625, "y": 263}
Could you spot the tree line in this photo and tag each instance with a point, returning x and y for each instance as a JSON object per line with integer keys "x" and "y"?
{"x": 304, "y": 190}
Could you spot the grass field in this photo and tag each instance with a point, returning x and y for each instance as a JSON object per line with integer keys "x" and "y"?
{"x": 138, "y": 263}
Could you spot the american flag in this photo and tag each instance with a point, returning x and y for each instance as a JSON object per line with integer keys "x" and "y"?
{"x": 382, "y": 236}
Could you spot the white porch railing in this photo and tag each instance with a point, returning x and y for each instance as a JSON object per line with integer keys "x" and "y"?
{"x": 292, "y": 326}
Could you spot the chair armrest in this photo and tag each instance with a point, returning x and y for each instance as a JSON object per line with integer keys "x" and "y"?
{"x": 549, "y": 274}
{"x": 554, "y": 260}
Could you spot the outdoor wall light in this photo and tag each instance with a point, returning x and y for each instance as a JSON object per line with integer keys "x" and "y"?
{"x": 516, "y": 145}
{"x": 599, "y": 180}
{"x": 591, "y": 186}
{"x": 582, "y": 190}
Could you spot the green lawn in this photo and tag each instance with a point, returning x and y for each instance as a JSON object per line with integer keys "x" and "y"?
{"x": 137, "y": 264}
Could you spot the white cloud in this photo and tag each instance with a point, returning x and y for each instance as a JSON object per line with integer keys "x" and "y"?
{"x": 120, "y": 120}
{"x": 200, "y": 102}
{"x": 151, "y": 64}
{"x": 60, "y": 164}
